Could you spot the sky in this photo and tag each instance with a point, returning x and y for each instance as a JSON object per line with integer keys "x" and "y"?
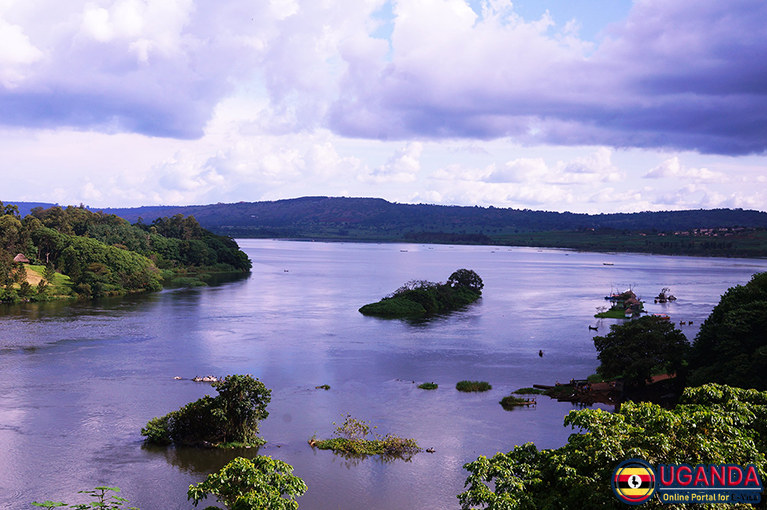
{"x": 592, "y": 106}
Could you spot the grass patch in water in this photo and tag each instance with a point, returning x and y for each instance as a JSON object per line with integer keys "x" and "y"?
{"x": 473, "y": 386}
{"x": 428, "y": 386}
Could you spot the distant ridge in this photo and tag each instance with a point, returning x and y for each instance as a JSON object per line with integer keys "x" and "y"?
{"x": 377, "y": 213}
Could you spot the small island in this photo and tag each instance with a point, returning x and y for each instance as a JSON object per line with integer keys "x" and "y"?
{"x": 419, "y": 298}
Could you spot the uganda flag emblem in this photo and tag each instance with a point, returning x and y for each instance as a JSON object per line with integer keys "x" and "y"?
{"x": 634, "y": 481}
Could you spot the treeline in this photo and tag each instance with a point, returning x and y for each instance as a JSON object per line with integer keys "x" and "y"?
{"x": 375, "y": 214}
{"x": 103, "y": 254}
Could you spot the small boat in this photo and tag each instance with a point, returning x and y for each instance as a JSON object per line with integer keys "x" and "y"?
{"x": 608, "y": 264}
{"x": 661, "y": 316}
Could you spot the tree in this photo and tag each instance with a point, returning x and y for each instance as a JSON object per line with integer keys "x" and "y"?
{"x": 242, "y": 404}
{"x": 261, "y": 483}
{"x": 731, "y": 346}
{"x": 466, "y": 278}
{"x": 638, "y": 347}
{"x": 230, "y": 417}
{"x": 712, "y": 424}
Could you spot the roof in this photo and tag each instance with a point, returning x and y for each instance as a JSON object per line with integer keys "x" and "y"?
{"x": 21, "y": 258}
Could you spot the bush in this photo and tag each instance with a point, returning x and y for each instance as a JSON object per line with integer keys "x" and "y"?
{"x": 470, "y": 386}
{"x": 510, "y": 402}
{"x": 428, "y": 386}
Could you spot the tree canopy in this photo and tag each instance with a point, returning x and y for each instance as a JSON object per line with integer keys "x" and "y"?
{"x": 261, "y": 483}
{"x": 637, "y": 348}
{"x": 731, "y": 346}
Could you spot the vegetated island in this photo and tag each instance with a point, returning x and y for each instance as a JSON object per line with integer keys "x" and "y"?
{"x": 351, "y": 441}
{"x": 418, "y": 298}
{"x": 228, "y": 420}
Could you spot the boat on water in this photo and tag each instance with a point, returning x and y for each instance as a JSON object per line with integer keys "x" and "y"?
{"x": 661, "y": 316}
{"x": 608, "y": 264}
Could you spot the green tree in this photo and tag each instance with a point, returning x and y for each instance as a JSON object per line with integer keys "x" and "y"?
{"x": 466, "y": 278}
{"x": 230, "y": 417}
{"x": 637, "y": 348}
{"x": 242, "y": 404}
{"x": 261, "y": 483}
{"x": 712, "y": 424}
{"x": 731, "y": 346}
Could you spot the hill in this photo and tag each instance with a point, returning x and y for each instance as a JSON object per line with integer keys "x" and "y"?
{"x": 375, "y": 213}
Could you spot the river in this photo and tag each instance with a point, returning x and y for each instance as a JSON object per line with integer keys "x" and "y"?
{"x": 79, "y": 380}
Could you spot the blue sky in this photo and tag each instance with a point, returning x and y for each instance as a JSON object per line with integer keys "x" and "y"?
{"x": 587, "y": 106}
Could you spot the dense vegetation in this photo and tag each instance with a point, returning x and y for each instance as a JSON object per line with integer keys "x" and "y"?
{"x": 228, "y": 419}
{"x": 711, "y": 424}
{"x": 102, "y": 254}
{"x": 731, "y": 346}
{"x": 637, "y": 349}
{"x": 419, "y": 297}
{"x": 717, "y": 232}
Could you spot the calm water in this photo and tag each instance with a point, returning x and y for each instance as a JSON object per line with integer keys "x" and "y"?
{"x": 78, "y": 381}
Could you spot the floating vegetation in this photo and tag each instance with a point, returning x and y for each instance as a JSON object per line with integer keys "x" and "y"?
{"x": 470, "y": 386}
{"x": 325, "y": 387}
{"x": 428, "y": 386}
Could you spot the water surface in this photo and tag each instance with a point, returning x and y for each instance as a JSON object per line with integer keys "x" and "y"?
{"x": 80, "y": 380}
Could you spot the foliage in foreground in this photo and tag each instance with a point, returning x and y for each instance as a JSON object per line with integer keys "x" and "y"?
{"x": 469, "y": 386}
{"x": 638, "y": 348}
{"x": 731, "y": 346}
{"x": 711, "y": 424}
{"x": 252, "y": 484}
{"x": 351, "y": 439}
{"x": 230, "y": 417}
{"x": 101, "y": 500}
{"x": 419, "y": 297}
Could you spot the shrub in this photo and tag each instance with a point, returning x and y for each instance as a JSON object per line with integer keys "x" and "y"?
{"x": 428, "y": 386}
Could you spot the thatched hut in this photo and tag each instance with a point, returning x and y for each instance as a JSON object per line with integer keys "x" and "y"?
{"x": 21, "y": 259}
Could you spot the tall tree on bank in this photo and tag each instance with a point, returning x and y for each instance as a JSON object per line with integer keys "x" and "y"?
{"x": 731, "y": 346}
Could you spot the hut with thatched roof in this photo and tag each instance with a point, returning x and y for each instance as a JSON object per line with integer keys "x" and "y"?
{"x": 21, "y": 259}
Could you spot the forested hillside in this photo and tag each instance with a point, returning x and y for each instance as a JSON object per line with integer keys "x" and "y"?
{"x": 75, "y": 251}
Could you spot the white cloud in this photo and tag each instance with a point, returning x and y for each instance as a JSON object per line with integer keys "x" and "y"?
{"x": 16, "y": 53}
{"x": 401, "y": 167}
{"x": 672, "y": 168}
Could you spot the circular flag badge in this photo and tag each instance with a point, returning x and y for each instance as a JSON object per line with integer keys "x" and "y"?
{"x": 633, "y": 481}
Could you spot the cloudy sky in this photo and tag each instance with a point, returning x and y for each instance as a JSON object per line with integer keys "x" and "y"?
{"x": 579, "y": 105}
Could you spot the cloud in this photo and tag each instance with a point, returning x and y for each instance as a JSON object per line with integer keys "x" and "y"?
{"x": 401, "y": 167}
{"x": 682, "y": 75}
{"x": 16, "y": 53}
{"x": 672, "y": 168}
